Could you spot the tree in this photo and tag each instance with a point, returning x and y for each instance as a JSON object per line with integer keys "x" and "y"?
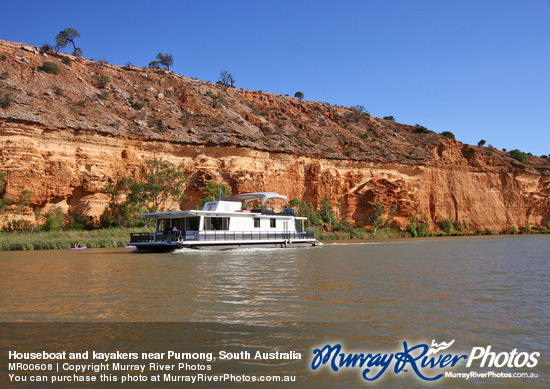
{"x": 226, "y": 79}
{"x": 212, "y": 193}
{"x": 390, "y": 118}
{"x": 357, "y": 112}
{"x": 299, "y": 95}
{"x": 375, "y": 219}
{"x": 392, "y": 212}
{"x": 326, "y": 211}
{"x": 304, "y": 209}
{"x": 22, "y": 203}
{"x": 166, "y": 60}
{"x": 160, "y": 186}
{"x": 55, "y": 219}
{"x": 481, "y": 143}
{"x": 67, "y": 36}
{"x": 5, "y": 201}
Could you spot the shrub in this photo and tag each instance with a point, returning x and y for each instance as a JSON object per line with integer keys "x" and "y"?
{"x": 448, "y": 134}
{"x": 154, "y": 64}
{"x": 216, "y": 98}
{"x": 519, "y": 155}
{"x": 357, "y": 112}
{"x": 3, "y": 57}
{"x": 66, "y": 61}
{"x": 390, "y": 118}
{"x": 54, "y": 219}
{"x": 299, "y": 95}
{"x": 4, "y": 75}
{"x": 6, "y": 101}
{"x": 137, "y": 105}
{"x": 447, "y": 226}
{"x": 101, "y": 80}
{"x": 50, "y": 67}
{"x": 351, "y": 152}
{"x": 412, "y": 229}
{"x": 421, "y": 129}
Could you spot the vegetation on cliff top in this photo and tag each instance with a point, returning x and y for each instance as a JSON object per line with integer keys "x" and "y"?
{"x": 167, "y": 106}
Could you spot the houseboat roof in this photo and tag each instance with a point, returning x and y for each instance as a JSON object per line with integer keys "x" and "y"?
{"x": 246, "y": 198}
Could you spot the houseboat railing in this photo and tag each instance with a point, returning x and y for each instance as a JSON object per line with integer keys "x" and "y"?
{"x": 218, "y": 236}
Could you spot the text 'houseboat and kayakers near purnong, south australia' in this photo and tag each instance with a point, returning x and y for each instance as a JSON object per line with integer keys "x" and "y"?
{"x": 237, "y": 221}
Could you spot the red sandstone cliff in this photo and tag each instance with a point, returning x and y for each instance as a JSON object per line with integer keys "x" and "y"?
{"x": 63, "y": 137}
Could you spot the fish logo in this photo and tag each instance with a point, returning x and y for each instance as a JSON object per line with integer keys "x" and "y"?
{"x": 438, "y": 347}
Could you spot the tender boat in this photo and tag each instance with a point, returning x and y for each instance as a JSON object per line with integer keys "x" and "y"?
{"x": 226, "y": 224}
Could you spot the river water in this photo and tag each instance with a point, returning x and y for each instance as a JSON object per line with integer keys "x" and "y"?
{"x": 368, "y": 297}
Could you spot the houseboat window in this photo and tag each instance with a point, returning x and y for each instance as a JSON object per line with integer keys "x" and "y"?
{"x": 256, "y": 223}
{"x": 216, "y": 223}
{"x": 192, "y": 223}
{"x": 273, "y": 223}
{"x": 179, "y": 224}
{"x": 164, "y": 224}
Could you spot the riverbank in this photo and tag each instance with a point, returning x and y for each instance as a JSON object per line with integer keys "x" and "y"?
{"x": 52, "y": 240}
{"x": 119, "y": 237}
{"x": 389, "y": 233}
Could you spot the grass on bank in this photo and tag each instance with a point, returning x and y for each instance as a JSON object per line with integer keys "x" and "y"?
{"x": 388, "y": 233}
{"x": 51, "y": 240}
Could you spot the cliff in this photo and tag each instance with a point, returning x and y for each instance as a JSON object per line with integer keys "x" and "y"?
{"x": 65, "y": 136}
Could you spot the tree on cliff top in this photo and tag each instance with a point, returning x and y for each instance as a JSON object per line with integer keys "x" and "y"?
{"x": 226, "y": 79}
{"x": 166, "y": 60}
{"x": 67, "y": 36}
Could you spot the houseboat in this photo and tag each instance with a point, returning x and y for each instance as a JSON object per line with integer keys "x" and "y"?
{"x": 242, "y": 220}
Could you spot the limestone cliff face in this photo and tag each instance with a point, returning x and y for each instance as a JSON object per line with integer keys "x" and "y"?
{"x": 64, "y": 137}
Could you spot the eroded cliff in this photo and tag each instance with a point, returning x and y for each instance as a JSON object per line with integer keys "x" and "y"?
{"x": 65, "y": 136}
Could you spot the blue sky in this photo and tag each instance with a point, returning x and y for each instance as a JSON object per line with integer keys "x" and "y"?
{"x": 478, "y": 68}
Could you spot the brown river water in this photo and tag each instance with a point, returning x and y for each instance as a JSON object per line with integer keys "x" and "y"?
{"x": 368, "y": 297}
